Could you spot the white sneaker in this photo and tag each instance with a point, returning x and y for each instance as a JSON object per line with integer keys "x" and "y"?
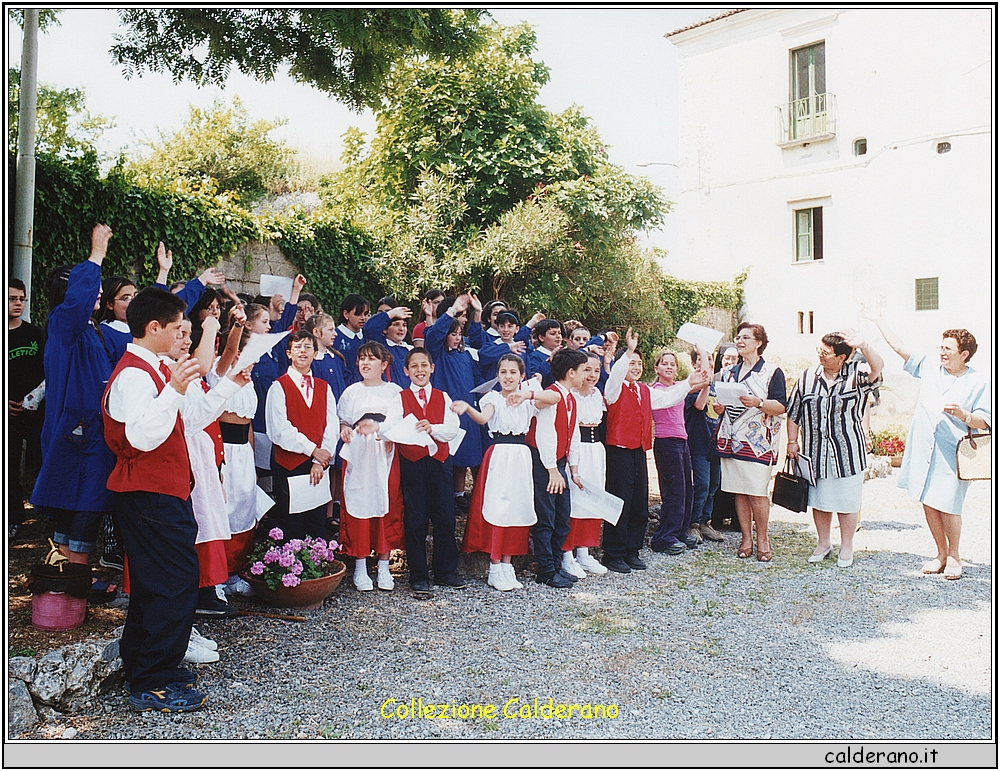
{"x": 508, "y": 568}
{"x": 196, "y": 654}
{"x": 571, "y": 566}
{"x": 498, "y": 578}
{"x": 591, "y": 565}
{"x": 236, "y": 585}
{"x": 385, "y": 581}
{"x": 363, "y": 582}
{"x": 204, "y": 642}
{"x": 220, "y": 592}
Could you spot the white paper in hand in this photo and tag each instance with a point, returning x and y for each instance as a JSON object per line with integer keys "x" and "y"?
{"x": 405, "y": 432}
{"x": 272, "y": 285}
{"x": 705, "y": 338}
{"x": 305, "y": 496}
{"x": 728, "y": 394}
{"x": 256, "y": 347}
{"x": 486, "y": 387}
{"x": 598, "y": 503}
{"x": 455, "y": 443}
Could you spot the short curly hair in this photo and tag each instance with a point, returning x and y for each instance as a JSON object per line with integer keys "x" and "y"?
{"x": 965, "y": 339}
{"x": 758, "y": 333}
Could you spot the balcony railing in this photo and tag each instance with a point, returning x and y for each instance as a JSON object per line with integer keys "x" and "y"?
{"x": 811, "y": 119}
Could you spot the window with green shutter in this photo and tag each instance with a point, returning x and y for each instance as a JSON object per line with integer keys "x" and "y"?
{"x": 927, "y": 294}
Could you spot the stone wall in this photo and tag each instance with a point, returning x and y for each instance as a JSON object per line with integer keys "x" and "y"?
{"x": 244, "y": 268}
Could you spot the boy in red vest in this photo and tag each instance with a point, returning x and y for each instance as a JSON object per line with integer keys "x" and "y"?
{"x": 629, "y": 437}
{"x": 151, "y": 483}
{"x": 303, "y": 427}
{"x": 426, "y": 478}
{"x": 550, "y": 436}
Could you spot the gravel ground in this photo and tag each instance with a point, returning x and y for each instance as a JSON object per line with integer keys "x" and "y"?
{"x": 702, "y": 646}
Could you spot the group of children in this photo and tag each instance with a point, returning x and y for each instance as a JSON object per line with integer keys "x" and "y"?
{"x": 195, "y": 451}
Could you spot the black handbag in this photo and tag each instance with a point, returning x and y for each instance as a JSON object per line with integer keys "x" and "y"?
{"x": 790, "y": 491}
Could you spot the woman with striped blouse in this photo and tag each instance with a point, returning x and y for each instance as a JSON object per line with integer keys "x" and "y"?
{"x": 827, "y": 407}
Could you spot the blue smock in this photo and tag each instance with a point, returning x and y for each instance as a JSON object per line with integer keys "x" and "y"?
{"x": 456, "y": 373}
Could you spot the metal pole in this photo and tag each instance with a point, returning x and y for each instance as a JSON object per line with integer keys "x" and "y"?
{"x": 24, "y": 202}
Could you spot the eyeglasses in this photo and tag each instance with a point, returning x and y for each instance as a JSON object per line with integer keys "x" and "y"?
{"x": 825, "y": 354}
{"x": 15, "y": 299}
{"x": 745, "y": 337}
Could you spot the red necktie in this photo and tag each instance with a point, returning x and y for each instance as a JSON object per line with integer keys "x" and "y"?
{"x": 422, "y": 396}
{"x": 165, "y": 371}
{"x": 307, "y": 386}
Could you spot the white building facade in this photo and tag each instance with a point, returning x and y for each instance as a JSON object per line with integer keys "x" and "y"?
{"x": 841, "y": 156}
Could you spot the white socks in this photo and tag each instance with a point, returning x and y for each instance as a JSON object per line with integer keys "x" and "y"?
{"x": 498, "y": 578}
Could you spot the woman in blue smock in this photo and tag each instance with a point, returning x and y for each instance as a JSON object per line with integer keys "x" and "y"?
{"x": 76, "y": 462}
{"x": 953, "y": 398}
{"x": 457, "y": 373}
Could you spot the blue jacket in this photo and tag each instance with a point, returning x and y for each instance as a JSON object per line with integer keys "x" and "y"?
{"x": 76, "y": 461}
{"x": 493, "y": 349}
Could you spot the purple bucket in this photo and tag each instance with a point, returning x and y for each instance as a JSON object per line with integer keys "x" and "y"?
{"x": 57, "y": 611}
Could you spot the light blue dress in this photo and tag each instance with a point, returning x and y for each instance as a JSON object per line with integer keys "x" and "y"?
{"x": 929, "y": 473}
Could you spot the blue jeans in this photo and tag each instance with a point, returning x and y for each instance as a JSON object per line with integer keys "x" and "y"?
{"x": 552, "y": 511}
{"x": 707, "y": 478}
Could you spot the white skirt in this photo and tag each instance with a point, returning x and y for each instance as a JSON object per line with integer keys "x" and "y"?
{"x": 246, "y": 503}
{"x": 745, "y": 477}
{"x": 366, "y": 476}
{"x": 839, "y": 494}
{"x": 509, "y": 493}
{"x": 592, "y": 469}
{"x": 208, "y": 500}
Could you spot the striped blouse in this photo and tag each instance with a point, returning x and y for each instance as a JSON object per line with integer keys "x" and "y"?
{"x": 829, "y": 416}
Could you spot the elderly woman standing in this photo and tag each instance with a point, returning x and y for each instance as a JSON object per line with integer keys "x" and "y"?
{"x": 953, "y": 398}
{"x": 828, "y": 406}
{"x": 748, "y": 436}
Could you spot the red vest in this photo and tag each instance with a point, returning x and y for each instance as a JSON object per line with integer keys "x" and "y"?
{"x": 165, "y": 470}
{"x": 309, "y": 420}
{"x": 565, "y": 423}
{"x": 630, "y": 422}
{"x": 214, "y": 432}
{"x": 433, "y": 413}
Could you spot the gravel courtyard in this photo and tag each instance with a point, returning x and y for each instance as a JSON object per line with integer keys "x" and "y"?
{"x": 702, "y": 646}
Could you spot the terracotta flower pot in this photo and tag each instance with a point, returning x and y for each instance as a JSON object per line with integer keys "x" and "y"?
{"x": 896, "y": 461}
{"x": 308, "y": 595}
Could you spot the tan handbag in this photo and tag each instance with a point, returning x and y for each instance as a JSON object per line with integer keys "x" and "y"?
{"x": 972, "y": 457}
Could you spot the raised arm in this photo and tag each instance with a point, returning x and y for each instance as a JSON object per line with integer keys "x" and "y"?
{"x": 894, "y": 341}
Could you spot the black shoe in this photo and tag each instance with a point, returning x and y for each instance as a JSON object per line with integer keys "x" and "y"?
{"x": 210, "y": 606}
{"x": 113, "y": 560}
{"x": 690, "y": 542}
{"x": 635, "y": 563}
{"x": 568, "y": 576}
{"x": 559, "y": 581}
{"x": 461, "y": 504}
{"x": 676, "y": 548}
{"x": 617, "y": 565}
{"x": 453, "y": 580}
{"x": 422, "y": 589}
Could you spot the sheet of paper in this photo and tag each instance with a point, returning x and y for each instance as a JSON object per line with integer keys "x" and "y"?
{"x": 256, "y": 347}
{"x": 728, "y": 394}
{"x": 705, "y": 338}
{"x": 455, "y": 443}
{"x": 303, "y": 496}
{"x": 599, "y": 502}
{"x": 405, "y": 432}
{"x": 272, "y": 285}
{"x": 486, "y": 387}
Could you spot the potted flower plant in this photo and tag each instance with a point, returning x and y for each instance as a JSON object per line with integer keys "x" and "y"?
{"x": 298, "y": 573}
{"x": 890, "y": 443}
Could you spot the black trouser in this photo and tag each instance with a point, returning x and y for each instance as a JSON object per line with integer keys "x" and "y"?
{"x": 548, "y": 534}
{"x": 158, "y": 533}
{"x": 24, "y": 434}
{"x": 312, "y": 522}
{"x": 627, "y": 478}
{"x": 427, "y": 500}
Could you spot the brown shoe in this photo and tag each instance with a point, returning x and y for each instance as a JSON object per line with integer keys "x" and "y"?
{"x": 710, "y": 532}
{"x": 694, "y": 532}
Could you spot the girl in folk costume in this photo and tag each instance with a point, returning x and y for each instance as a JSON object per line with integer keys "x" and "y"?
{"x": 502, "y": 510}
{"x": 302, "y": 425}
{"x": 457, "y": 373}
{"x": 591, "y": 464}
{"x": 246, "y": 503}
{"x": 371, "y": 518}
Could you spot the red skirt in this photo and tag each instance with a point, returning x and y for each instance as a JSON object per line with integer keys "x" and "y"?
{"x": 238, "y": 549}
{"x": 361, "y": 537}
{"x": 212, "y": 567}
{"x": 480, "y": 535}
{"x": 583, "y": 532}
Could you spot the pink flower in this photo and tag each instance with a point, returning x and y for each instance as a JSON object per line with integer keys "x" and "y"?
{"x": 295, "y": 544}
{"x": 276, "y": 534}
{"x": 257, "y": 568}
{"x": 319, "y": 542}
{"x": 272, "y": 555}
{"x": 296, "y": 568}
{"x": 286, "y": 560}
{"x": 290, "y": 580}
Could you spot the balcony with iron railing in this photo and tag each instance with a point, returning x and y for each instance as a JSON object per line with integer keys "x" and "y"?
{"x": 812, "y": 119}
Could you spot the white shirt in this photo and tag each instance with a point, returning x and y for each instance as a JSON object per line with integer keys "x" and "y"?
{"x": 200, "y": 408}
{"x": 359, "y": 399}
{"x": 346, "y": 332}
{"x": 280, "y": 429}
{"x": 545, "y": 432}
{"x": 440, "y": 432}
{"x": 149, "y": 418}
{"x": 660, "y": 398}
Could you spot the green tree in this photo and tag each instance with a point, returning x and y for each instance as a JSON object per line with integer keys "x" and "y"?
{"x": 346, "y": 52}
{"x": 64, "y": 125}
{"x": 224, "y": 145}
{"x": 47, "y": 17}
